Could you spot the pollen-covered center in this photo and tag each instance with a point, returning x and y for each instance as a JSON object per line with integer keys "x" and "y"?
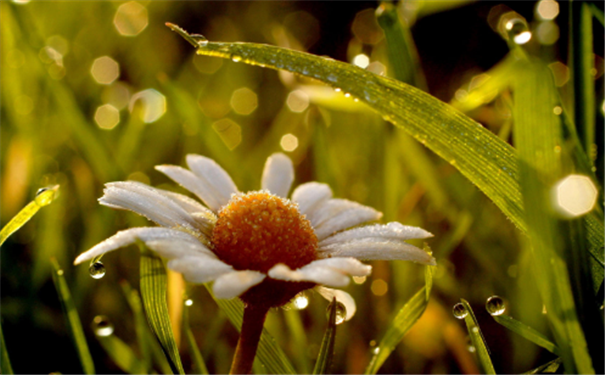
{"x": 258, "y": 230}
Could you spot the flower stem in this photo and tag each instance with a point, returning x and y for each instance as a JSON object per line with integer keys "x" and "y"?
{"x": 252, "y": 327}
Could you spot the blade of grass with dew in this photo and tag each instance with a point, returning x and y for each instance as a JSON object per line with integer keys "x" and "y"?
{"x": 597, "y": 13}
{"x": 537, "y": 134}
{"x": 196, "y": 357}
{"x": 526, "y": 332}
{"x": 268, "y": 353}
{"x": 483, "y": 158}
{"x": 478, "y": 340}
{"x": 144, "y": 338}
{"x": 547, "y": 368}
{"x": 73, "y": 320}
{"x": 299, "y": 338}
{"x": 122, "y": 355}
{"x": 43, "y": 198}
{"x": 153, "y": 294}
{"x": 404, "y": 320}
{"x": 326, "y": 351}
{"x": 5, "y": 363}
{"x": 581, "y": 63}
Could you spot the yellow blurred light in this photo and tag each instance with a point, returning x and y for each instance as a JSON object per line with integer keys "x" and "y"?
{"x": 107, "y": 116}
{"x": 49, "y": 55}
{"x": 207, "y": 64}
{"x": 361, "y": 60}
{"x": 154, "y": 104}
{"x": 59, "y": 44}
{"x": 300, "y": 302}
{"x": 243, "y": 101}
{"x": 547, "y": 9}
{"x": 117, "y": 94}
{"x": 547, "y": 33}
{"x": 297, "y": 101}
{"x": 522, "y": 38}
{"x": 24, "y": 105}
{"x": 289, "y": 142}
{"x": 359, "y": 279}
{"x": 140, "y": 177}
{"x": 575, "y": 195}
{"x": 557, "y": 110}
{"x": 229, "y": 131}
{"x": 21, "y": 2}
{"x": 379, "y": 287}
{"x": 560, "y": 73}
{"x": 131, "y": 18}
{"x": 105, "y": 70}
{"x": 377, "y": 67}
{"x": 15, "y": 58}
{"x": 366, "y": 28}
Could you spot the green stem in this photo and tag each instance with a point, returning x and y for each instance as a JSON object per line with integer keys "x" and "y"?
{"x": 252, "y": 328}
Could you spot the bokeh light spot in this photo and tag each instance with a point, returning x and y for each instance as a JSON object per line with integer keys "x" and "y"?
{"x": 105, "y": 70}
{"x": 366, "y": 28}
{"x": 154, "y": 104}
{"x": 575, "y": 195}
{"x": 131, "y": 18}
{"x": 107, "y": 116}
{"x": 547, "y": 9}
{"x": 379, "y": 287}
{"x": 24, "y": 105}
{"x": 361, "y": 60}
{"x": 229, "y": 131}
{"x": 359, "y": 279}
{"x": 297, "y": 101}
{"x": 244, "y": 101}
{"x": 207, "y": 64}
{"x": 117, "y": 94}
{"x": 289, "y": 142}
{"x": 547, "y": 33}
{"x": 560, "y": 73}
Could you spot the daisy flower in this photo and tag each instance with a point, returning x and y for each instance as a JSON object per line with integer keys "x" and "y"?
{"x": 258, "y": 246}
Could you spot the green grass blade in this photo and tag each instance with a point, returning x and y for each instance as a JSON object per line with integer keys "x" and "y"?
{"x": 478, "y": 340}
{"x": 583, "y": 82}
{"x": 527, "y": 332}
{"x": 196, "y": 356}
{"x": 547, "y": 368}
{"x": 405, "y": 319}
{"x": 122, "y": 354}
{"x": 5, "y": 363}
{"x": 299, "y": 338}
{"x": 486, "y": 160}
{"x": 43, "y": 198}
{"x": 326, "y": 351}
{"x": 73, "y": 320}
{"x": 140, "y": 325}
{"x": 268, "y": 353}
{"x": 538, "y": 136}
{"x": 597, "y": 13}
{"x": 153, "y": 293}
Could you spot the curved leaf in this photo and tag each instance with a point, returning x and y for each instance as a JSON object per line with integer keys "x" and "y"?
{"x": 527, "y": 332}
{"x": 478, "y": 340}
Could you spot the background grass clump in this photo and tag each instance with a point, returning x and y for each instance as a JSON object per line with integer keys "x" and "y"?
{"x": 94, "y": 92}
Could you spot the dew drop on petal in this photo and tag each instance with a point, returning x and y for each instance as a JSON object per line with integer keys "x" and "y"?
{"x": 102, "y": 326}
{"x": 97, "y": 270}
{"x": 459, "y": 311}
{"x": 495, "y": 305}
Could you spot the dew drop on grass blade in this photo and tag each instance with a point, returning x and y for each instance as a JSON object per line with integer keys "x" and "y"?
{"x": 477, "y": 339}
{"x": 326, "y": 351}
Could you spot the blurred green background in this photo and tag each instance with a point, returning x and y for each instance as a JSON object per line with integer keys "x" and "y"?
{"x": 94, "y": 92}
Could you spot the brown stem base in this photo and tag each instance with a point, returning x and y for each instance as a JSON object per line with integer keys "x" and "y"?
{"x": 252, "y": 327}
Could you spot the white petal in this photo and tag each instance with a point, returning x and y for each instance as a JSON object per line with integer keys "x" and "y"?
{"x": 194, "y": 184}
{"x": 149, "y": 202}
{"x": 343, "y": 297}
{"x": 349, "y": 266}
{"x": 169, "y": 243}
{"x": 338, "y": 214}
{"x": 235, "y": 283}
{"x": 198, "y": 269}
{"x": 214, "y": 177}
{"x": 278, "y": 175}
{"x": 377, "y": 249}
{"x": 311, "y": 272}
{"x": 310, "y": 195}
{"x": 393, "y": 230}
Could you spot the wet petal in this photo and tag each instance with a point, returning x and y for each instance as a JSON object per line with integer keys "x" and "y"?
{"x": 311, "y": 272}
{"x": 310, "y": 195}
{"x": 278, "y": 175}
{"x": 393, "y": 230}
{"x": 198, "y": 269}
{"x": 338, "y": 214}
{"x": 235, "y": 283}
{"x": 215, "y": 178}
{"x": 349, "y": 266}
{"x": 343, "y": 297}
{"x": 169, "y": 243}
{"x": 377, "y": 249}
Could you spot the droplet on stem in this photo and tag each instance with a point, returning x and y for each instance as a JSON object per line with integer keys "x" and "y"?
{"x": 97, "y": 270}
{"x": 459, "y": 311}
{"x": 518, "y": 31}
{"x": 102, "y": 326}
{"x": 341, "y": 313}
{"x": 495, "y": 305}
{"x": 199, "y": 39}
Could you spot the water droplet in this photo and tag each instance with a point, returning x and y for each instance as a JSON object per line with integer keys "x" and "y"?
{"x": 341, "y": 313}
{"x": 299, "y": 302}
{"x": 495, "y": 306}
{"x": 376, "y": 350}
{"x": 60, "y": 272}
{"x": 518, "y": 31}
{"x": 97, "y": 270}
{"x": 188, "y": 302}
{"x": 236, "y": 58}
{"x": 45, "y": 199}
{"x": 41, "y": 190}
{"x": 459, "y": 311}
{"x": 102, "y": 326}
{"x": 471, "y": 348}
{"x": 199, "y": 39}
{"x": 347, "y": 95}
{"x": 475, "y": 329}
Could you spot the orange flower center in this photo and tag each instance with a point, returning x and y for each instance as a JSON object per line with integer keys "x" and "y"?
{"x": 258, "y": 230}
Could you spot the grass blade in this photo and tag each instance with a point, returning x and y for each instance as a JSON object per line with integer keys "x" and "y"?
{"x": 43, "y": 198}
{"x": 196, "y": 356}
{"x": 268, "y": 353}
{"x": 73, "y": 320}
{"x": 547, "y": 368}
{"x": 122, "y": 354}
{"x": 486, "y": 160}
{"x": 478, "y": 340}
{"x": 527, "y": 332}
{"x": 299, "y": 338}
{"x": 5, "y": 363}
{"x": 153, "y": 293}
{"x": 326, "y": 351}
{"x": 144, "y": 337}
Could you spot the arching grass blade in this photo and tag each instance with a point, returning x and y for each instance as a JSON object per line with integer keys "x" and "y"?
{"x": 478, "y": 340}
{"x": 122, "y": 354}
{"x": 326, "y": 351}
{"x": 527, "y": 332}
{"x": 5, "y": 363}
